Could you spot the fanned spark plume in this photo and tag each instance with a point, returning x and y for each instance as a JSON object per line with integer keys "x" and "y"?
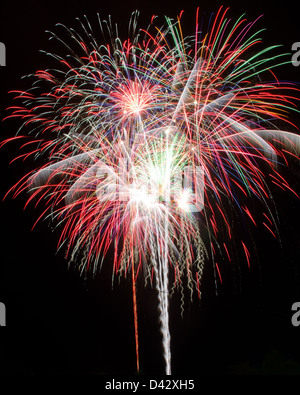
{"x": 146, "y": 139}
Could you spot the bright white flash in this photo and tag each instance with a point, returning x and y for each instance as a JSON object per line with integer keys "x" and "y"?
{"x": 184, "y": 200}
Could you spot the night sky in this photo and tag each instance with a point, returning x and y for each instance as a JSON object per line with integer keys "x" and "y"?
{"x": 61, "y": 323}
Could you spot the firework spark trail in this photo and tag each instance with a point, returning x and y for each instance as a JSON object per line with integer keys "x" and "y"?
{"x": 161, "y": 271}
{"x": 163, "y": 279}
{"x": 146, "y": 139}
{"x": 135, "y": 319}
{"x": 161, "y": 274}
{"x": 164, "y": 273}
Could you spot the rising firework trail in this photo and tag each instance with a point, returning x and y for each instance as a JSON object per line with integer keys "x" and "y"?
{"x": 146, "y": 141}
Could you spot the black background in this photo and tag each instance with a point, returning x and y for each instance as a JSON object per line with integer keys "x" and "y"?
{"x": 57, "y": 323}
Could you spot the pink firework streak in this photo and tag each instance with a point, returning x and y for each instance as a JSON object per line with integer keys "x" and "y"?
{"x": 145, "y": 139}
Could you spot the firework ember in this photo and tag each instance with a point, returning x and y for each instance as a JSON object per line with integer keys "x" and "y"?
{"x": 145, "y": 139}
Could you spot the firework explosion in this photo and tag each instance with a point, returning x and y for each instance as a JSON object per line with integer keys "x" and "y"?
{"x": 145, "y": 139}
